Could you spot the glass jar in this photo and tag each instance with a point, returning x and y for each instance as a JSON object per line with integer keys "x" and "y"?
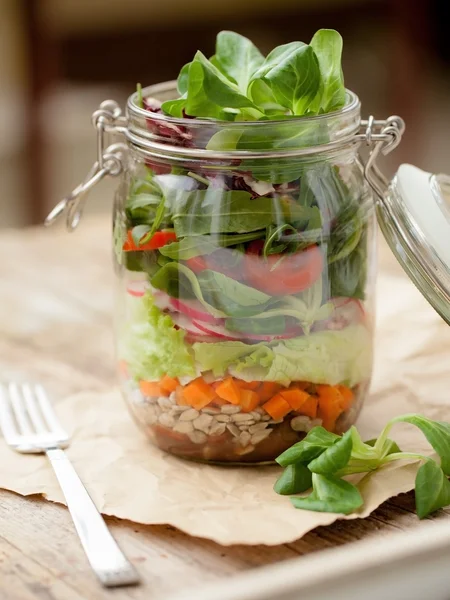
{"x": 245, "y": 262}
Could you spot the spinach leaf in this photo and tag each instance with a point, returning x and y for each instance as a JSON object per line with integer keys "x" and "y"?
{"x": 197, "y": 103}
{"x": 432, "y": 489}
{"x": 175, "y": 108}
{"x": 294, "y": 480}
{"x": 138, "y": 232}
{"x": 183, "y": 79}
{"x": 315, "y": 442}
{"x": 211, "y": 94}
{"x": 334, "y": 458}
{"x": 201, "y": 245}
{"x": 238, "y": 58}
{"x": 141, "y": 208}
{"x": 274, "y": 58}
{"x": 268, "y": 326}
{"x": 220, "y": 295}
{"x": 347, "y": 277}
{"x": 157, "y": 221}
{"x": 437, "y": 434}
{"x": 345, "y": 236}
{"x": 179, "y": 281}
{"x": 215, "y": 210}
{"x": 327, "y": 45}
{"x": 330, "y": 494}
{"x": 295, "y": 79}
{"x": 232, "y": 297}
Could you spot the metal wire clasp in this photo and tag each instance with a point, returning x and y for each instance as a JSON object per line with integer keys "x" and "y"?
{"x": 384, "y": 136}
{"x": 109, "y": 162}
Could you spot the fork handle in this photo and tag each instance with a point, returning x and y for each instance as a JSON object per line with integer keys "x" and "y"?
{"x": 103, "y": 553}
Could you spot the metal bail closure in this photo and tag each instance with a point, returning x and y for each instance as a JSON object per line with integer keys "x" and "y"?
{"x": 109, "y": 162}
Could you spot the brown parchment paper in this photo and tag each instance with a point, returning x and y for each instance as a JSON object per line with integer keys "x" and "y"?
{"x": 130, "y": 479}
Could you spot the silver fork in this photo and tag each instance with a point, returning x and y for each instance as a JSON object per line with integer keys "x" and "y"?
{"x": 30, "y": 426}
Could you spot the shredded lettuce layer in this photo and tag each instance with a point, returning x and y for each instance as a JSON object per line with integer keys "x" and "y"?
{"x": 150, "y": 344}
{"x": 330, "y": 357}
{"x": 152, "y": 348}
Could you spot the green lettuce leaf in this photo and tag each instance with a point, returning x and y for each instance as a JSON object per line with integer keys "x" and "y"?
{"x": 330, "y": 357}
{"x": 150, "y": 344}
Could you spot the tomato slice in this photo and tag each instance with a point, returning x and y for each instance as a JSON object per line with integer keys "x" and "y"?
{"x": 197, "y": 264}
{"x": 221, "y": 260}
{"x": 158, "y": 240}
{"x": 281, "y": 274}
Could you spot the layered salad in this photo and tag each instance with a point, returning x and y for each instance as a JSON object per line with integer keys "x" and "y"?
{"x": 243, "y": 319}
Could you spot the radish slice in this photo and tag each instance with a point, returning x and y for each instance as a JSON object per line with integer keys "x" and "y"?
{"x": 183, "y": 322}
{"x": 220, "y": 332}
{"x": 193, "y": 309}
{"x": 217, "y": 331}
{"x": 137, "y": 288}
{"x": 347, "y": 311}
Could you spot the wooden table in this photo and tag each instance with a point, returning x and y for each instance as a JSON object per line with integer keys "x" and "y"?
{"x": 56, "y": 305}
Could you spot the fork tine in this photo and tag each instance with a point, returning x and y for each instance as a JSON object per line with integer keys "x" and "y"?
{"x": 48, "y": 411}
{"x": 19, "y": 409}
{"x": 31, "y": 404}
{"x": 6, "y": 418}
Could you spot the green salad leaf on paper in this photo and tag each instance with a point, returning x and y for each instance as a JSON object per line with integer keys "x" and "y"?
{"x": 330, "y": 459}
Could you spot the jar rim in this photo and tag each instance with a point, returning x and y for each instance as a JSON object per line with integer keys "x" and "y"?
{"x": 352, "y": 104}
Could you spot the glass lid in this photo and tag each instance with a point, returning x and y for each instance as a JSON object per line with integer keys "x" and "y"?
{"x": 414, "y": 216}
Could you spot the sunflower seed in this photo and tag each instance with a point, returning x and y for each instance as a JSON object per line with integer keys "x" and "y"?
{"x": 203, "y": 422}
{"x": 179, "y": 409}
{"x": 198, "y": 437}
{"x": 189, "y": 415}
{"x": 257, "y": 427}
{"x": 260, "y": 436}
{"x": 217, "y": 428}
{"x": 301, "y": 423}
{"x": 223, "y": 418}
{"x": 165, "y": 402}
{"x": 244, "y": 438}
{"x": 256, "y": 415}
{"x": 241, "y": 418}
{"x": 211, "y": 411}
{"x": 233, "y": 430}
{"x": 166, "y": 420}
{"x": 184, "y": 427}
{"x": 230, "y": 409}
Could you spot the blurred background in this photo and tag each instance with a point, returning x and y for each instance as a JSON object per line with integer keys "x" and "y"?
{"x": 60, "y": 58}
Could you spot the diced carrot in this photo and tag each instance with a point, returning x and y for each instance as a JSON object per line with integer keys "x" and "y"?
{"x": 151, "y": 388}
{"x": 301, "y": 385}
{"x": 169, "y": 384}
{"x": 277, "y": 407}
{"x": 219, "y": 401}
{"x": 229, "y": 390}
{"x": 198, "y": 393}
{"x": 248, "y": 385}
{"x": 330, "y": 401}
{"x": 249, "y": 400}
{"x": 123, "y": 368}
{"x": 347, "y": 396}
{"x": 295, "y": 398}
{"x": 268, "y": 389}
{"x": 309, "y": 408}
{"x": 180, "y": 396}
